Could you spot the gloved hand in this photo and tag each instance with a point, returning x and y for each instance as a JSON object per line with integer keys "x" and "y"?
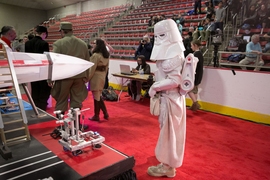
{"x": 152, "y": 92}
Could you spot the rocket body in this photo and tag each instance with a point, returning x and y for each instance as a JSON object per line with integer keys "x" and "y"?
{"x": 30, "y": 67}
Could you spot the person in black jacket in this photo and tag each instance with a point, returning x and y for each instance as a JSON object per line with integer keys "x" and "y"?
{"x": 210, "y": 10}
{"x": 40, "y": 89}
{"x": 251, "y": 16}
{"x": 135, "y": 87}
{"x": 187, "y": 43}
{"x": 193, "y": 94}
{"x": 145, "y": 48}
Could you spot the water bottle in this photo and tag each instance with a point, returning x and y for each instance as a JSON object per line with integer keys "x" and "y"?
{"x": 141, "y": 71}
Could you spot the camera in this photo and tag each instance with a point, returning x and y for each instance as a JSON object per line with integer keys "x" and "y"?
{"x": 143, "y": 41}
{"x": 217, "y": 38}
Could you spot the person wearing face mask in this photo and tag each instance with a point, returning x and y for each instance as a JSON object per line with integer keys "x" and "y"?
{"x": 173, "y": 79}
{"x": 40, "y": 89}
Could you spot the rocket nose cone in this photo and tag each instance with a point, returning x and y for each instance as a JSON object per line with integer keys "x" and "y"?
{"x": 71, "y": 66}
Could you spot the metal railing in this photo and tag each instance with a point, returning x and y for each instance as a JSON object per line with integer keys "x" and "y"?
{"x": 223, "y": 62}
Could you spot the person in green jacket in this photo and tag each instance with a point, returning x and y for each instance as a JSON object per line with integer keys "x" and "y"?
{"x": 72, "y": 89}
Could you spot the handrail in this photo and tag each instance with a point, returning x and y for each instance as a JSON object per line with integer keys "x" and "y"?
{"x": 239, "y": 52}
{"x": 245, "y": 53}
{"x": 234, "y": 19}
{"x": 87, "y": 33}
{"x": 205, "y": 52}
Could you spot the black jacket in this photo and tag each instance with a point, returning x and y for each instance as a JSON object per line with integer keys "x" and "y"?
{"x": 37, "y": 45}
{"x": 199, "y": 68}
{"x": 144, "y": 49}
{"x": 146, "y": 69}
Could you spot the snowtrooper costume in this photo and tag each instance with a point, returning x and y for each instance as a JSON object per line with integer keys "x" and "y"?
{"x": 168, "y": 52}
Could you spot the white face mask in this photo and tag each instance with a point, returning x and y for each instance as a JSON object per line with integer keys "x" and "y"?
{"x": 168, "y": 41}
{"x": 161, "y": 38}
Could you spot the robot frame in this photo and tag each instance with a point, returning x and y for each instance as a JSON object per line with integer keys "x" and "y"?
{"x": 74, "y": 140}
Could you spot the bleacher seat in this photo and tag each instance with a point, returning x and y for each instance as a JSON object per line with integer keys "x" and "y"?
{"x": 125, "y": 34}
{"x": 87, "y": 23}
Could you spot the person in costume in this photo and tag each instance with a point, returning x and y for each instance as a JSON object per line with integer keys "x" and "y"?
{"x": 174, "y": 78}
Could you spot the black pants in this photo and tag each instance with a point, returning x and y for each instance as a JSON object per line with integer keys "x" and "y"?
{"x": 106, "y": 85}
{"x": 197, "y": 5}
{"x": 219, "y": 25}
{"x": 40, "y": 93}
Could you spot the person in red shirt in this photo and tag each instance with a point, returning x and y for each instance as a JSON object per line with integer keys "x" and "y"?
{"x": 8, "y": 34}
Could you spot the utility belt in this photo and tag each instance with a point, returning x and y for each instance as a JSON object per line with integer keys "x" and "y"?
{"x": 101, "y": 68}
{"x": 170, "y": 91}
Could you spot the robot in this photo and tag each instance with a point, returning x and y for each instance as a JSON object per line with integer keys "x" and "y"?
{"x": 74, "y": 140}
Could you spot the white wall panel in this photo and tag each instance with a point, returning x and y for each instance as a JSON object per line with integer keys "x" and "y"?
{"x": 63, "y": 11}
{"x": 21, "y": 18}
{"x": 246, "y": 90}
{"x": 88, "y": 6}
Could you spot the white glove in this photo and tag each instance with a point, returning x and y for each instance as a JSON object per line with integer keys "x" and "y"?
{"x": 152, "y": 92}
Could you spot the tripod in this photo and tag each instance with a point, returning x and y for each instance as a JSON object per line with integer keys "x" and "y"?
{"x": 215, "y": 59}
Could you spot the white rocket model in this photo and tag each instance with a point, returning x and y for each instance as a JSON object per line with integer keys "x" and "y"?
{"x": 30, "y": 67}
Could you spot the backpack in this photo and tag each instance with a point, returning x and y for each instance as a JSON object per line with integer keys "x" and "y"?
{"x": 190, "y": 12}
{"x": 235, "y": 57}
{"x": 109, "y": 94}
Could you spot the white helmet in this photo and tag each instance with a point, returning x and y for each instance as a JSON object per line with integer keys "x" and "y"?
{"x": 168, "y": 41}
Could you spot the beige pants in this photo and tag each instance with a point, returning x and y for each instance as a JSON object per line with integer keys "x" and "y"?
{"x": 249, "y": 60}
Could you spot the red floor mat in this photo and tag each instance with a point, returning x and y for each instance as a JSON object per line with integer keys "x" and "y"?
{"x": 86, "y": 163}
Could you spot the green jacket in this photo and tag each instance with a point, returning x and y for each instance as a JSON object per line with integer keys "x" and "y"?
{"x": 73, "y": 46}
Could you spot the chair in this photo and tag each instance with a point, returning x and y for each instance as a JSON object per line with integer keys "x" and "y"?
{"x": 265, "y": 30}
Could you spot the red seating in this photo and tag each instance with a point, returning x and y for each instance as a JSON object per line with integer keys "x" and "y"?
{"x": 265, "y": 30}
{"x": 127, "y": 33}
{"x": 225, "y": 55}
{"x": 263, "y": 43}
{"x": 203, "y": 43}
{"x": 256, "y": 31}
{"x": 266, "y": 57}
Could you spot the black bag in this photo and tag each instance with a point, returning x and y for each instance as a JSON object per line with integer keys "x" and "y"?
{"x": 109, "y": 94}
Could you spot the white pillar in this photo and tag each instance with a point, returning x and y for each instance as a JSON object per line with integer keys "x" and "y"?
{"x": 79, "y": 8}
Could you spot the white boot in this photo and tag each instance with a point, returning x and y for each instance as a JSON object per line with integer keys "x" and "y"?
{"x": 161, "y": 170}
